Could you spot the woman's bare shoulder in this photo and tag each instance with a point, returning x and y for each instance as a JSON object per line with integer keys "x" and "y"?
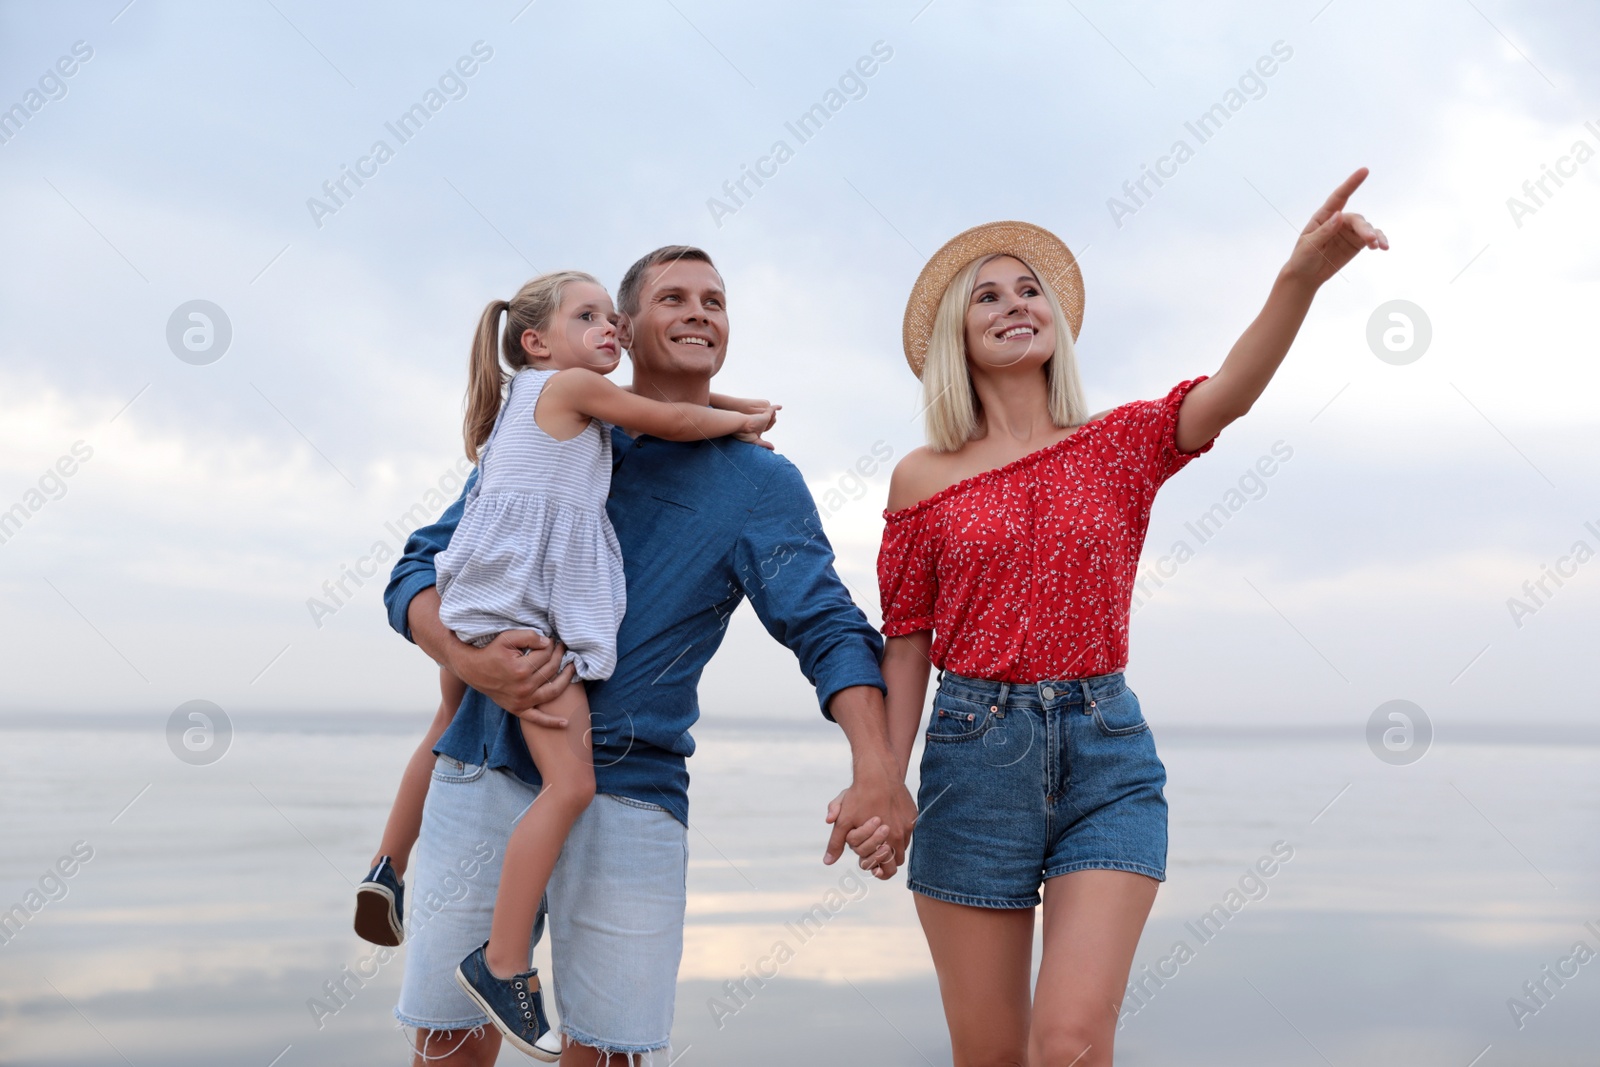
{"x": 920, "y": 474}
{"x": 923, "y": 472}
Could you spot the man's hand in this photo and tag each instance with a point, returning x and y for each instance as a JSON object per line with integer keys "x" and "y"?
{"x": 874, "y": 817}
{"x": 519, "y": 670}
{"x": 870, "y": 841}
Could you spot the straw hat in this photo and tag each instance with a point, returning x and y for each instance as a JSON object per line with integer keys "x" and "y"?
{"x": 1040, "y": 249}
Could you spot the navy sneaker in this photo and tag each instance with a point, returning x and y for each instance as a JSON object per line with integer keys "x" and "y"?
{"x": 514, "y": 1004}
{"x": 379, "y": 904}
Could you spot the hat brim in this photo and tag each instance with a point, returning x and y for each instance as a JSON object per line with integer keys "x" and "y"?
{"x": 1045, "y": 253}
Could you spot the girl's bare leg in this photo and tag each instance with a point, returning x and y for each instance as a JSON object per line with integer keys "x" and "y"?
{"x": 566, "y": 767}
{"x": 1092, "y": 923}
{"x": 984, "y": 959}
{"x": 405, "y": 817}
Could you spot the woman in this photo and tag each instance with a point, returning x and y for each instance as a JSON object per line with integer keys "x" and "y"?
{"x": 1007, "y": 562}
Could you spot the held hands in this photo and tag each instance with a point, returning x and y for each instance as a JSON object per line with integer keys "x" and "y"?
{"x": 875, "y": 818}
{"x": 1333, "y": 237}
{"x": 520, "y": 670}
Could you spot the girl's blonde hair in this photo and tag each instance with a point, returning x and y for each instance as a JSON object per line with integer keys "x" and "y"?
{"x": 533, "y": 308}
{"x": 950, "y": 402}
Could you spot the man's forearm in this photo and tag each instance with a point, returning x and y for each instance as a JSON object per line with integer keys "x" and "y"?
{"x": 426, "y": 629}
{"x": 859, "y": 712}
{"x": 875, "y": 815}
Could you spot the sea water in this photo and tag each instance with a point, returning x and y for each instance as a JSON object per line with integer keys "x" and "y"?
{"x": 1419, "y": 915}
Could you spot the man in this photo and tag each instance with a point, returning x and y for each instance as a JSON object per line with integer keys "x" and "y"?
{"x": 702, "y": 526}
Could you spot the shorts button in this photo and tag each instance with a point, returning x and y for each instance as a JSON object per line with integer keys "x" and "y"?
{"x": 1049, "y": 692}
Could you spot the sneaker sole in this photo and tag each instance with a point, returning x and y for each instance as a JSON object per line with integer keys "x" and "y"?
{"x": 375, "y": 916}
{"x": 516, "y": 1042}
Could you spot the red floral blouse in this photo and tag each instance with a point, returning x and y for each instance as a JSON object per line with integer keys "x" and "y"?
{"x": 1025, "y": 573}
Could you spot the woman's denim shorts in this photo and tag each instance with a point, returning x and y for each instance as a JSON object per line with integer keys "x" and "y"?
{"x": 1025, "y": 781}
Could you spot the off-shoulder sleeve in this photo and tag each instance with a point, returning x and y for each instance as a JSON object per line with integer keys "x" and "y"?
{"x": 907, "y": 581}
{"x": 1151, "y": 427}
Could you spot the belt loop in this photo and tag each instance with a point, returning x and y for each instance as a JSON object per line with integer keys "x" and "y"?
{"x": 1088, "y": 696}
{"x": 999, "y": 707}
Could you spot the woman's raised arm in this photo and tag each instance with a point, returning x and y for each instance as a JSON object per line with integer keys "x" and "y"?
{"x": 1331, "y": 239}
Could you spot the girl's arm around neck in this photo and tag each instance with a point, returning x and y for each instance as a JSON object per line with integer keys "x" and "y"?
{"x": 574, "y": 396}
{"x": 738, "y": 403}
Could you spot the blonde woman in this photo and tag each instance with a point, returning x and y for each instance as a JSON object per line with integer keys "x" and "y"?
{"x": 1007, "y": 562}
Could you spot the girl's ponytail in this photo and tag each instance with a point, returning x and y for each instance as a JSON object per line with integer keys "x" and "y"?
{"x": 533, "y": 308}
{"x": 485, "y": 381}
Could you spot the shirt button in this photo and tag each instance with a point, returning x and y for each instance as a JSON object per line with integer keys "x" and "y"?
{"x": 1049, "y": 692}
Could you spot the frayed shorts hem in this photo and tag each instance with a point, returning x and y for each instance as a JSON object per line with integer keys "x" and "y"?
{"x": 1009, "y": 904}
{"x": 1106, "y": 865}
{"x": 610, "y": 1048}
{"x": 438, "y": 1027}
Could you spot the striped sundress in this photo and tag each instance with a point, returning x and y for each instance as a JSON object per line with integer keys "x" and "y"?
{"x": 535, "y": 549}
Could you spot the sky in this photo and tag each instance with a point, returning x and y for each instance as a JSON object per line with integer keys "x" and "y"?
{"x": 194, "y": 153}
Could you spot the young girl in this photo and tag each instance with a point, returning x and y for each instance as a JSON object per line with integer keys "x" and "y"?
{"x": 1008, "y": 560}
{"x": 535, "y": 550}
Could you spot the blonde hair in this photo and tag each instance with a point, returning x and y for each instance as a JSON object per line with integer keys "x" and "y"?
{"x": 533, "y": 308}
{"x": 950, "y": 402}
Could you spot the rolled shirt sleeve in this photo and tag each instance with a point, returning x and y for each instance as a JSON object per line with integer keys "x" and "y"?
{"x": 784, "y": 565}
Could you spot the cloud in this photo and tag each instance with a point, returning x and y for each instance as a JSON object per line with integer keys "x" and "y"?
{"x": 226, "y": 495}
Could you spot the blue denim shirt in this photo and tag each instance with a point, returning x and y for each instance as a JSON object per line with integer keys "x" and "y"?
{"x": 702, "y": 525}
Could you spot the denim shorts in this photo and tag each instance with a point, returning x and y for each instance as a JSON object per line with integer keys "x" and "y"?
{"x": 1022, "y": 782}
{"x": 616, "y": 907}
